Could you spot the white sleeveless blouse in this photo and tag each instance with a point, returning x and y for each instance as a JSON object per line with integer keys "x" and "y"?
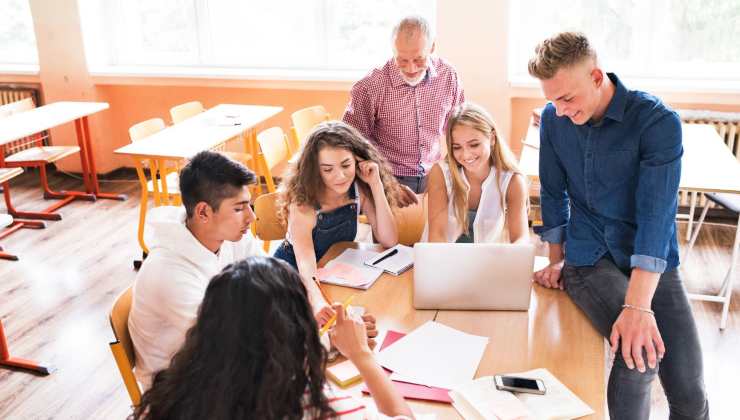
{"x": 490, "y": 219}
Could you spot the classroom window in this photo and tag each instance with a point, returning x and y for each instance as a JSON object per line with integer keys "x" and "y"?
{"x": 687, "y": 41}
{"x": 17, "y": 39}
{"x": 309, "y": 35}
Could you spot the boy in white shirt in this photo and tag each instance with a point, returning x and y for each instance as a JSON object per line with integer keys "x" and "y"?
{"x": 189, "y": 245}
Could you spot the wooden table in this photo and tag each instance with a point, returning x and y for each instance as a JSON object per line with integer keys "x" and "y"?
{"x": 37, "y": 120}
{"x": 554, "y": 334}
{"x": 204, "y": 131}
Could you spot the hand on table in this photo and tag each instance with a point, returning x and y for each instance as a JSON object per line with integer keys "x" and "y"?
{"x": 550, "y": 276}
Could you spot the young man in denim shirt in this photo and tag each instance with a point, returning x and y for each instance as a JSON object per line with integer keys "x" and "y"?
{"x": 610, "y": 164}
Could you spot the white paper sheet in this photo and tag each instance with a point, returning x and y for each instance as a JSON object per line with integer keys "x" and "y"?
{"x": 435, "y": 355}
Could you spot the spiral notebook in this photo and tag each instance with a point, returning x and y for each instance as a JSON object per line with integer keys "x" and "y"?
{"x": 394, "y": 260}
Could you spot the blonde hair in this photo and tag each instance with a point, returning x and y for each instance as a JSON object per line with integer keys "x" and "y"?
{"x": 501, "y": 159}
{"x": 562, "y": 50}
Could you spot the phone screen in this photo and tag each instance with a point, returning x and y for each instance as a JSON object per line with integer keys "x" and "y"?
{"x": 519, "y": 382}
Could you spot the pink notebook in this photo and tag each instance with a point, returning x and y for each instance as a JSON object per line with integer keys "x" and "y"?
{"x": 413, "y": 391}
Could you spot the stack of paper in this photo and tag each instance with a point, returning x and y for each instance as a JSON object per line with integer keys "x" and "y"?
{"x": 348, "y": 269}
{"x": 416, "y": 357}
{"x": 479, "y": 399}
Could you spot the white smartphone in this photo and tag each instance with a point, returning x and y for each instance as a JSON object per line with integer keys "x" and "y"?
{"x": 518, "y": 384}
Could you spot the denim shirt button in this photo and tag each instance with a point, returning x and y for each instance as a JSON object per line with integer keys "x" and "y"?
{"x": 319, "y": 216}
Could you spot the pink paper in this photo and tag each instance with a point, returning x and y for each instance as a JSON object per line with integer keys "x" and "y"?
{"x": 349, "y": 274}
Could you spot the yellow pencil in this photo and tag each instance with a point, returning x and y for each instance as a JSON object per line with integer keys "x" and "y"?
{"x": 323, "y": 293}
{"x": 333, "y": 319}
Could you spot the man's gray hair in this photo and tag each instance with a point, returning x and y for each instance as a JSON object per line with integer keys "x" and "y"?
{"x": 409, "y": 25}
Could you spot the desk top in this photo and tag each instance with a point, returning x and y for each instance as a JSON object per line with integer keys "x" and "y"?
{"x": 708, "y": 165}
{"x": 24, "y": 124}
{"x": 200, "y": 132}
{"x": 553, "y": 334}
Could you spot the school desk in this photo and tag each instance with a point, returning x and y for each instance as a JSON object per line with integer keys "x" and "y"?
{"x": 553, "y": 334}
{"x": 37, "y": 120}
{"x": 205, "y": 131}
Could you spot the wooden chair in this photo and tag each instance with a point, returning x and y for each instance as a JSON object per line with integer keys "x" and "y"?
{"x": 184, "y": 111}
{"x": 123, "y": 348}
{"x": 7, "y": 221}
{"x": 304, "y": 120}
{"x": 273, "y": 156}
{"x": 730, "y": 202}
{"x": 31, "y": 152}
{"x": 163, "y": 184}
{"x": 267, "y": 225}
{"x": 410, "y": 221}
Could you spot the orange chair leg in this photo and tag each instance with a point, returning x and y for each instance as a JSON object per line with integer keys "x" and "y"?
{"x": 16, "y": 362}
{"x": 63, "y": 195}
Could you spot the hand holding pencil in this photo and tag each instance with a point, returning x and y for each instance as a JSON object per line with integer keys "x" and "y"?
{"x": 331, "y": 321}
{"x": 349, "y": 335}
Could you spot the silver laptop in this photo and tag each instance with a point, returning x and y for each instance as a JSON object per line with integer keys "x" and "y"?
{"x": 473, "y": 276}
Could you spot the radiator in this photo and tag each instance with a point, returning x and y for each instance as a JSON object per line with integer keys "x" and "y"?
{"x": 728, "y": 127}
{"x": 15, "y": 93}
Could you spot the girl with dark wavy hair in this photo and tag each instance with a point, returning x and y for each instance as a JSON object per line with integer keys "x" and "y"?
{"x": 338, "y": 176}
{"x": 254, "y": 352}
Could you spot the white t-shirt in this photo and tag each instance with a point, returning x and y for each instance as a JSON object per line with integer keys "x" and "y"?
{"x": 491, "y": 215}
{"x": 170, "y": 287}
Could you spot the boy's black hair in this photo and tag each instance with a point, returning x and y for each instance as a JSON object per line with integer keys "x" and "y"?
{"x": 212, "y": 177}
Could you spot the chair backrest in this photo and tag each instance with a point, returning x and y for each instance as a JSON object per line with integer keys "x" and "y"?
{"x": 267, "y": 224}
{"x": 304, "y": 120}
{"x": 274, "y": 154}
{"x": 123, "y": 348}
{"x": 274, "y": 146}
{"x": 410, "y": 221}
{"x": 145, "y": 129}
{"x": 7, "y": 110}
{"x": 184, "y": 111}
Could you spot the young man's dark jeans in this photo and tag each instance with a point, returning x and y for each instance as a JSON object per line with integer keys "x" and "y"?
{"x": 599, "y": 291}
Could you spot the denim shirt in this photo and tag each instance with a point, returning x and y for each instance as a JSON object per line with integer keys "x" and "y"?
{"x": 611, "y": 187}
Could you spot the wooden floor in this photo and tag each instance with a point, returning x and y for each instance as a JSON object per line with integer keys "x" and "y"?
{"x": 54, "y": 304}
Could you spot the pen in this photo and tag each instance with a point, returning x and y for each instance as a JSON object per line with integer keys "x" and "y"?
{"x": 333, "y": 319}
{"x": 386, "y": 256}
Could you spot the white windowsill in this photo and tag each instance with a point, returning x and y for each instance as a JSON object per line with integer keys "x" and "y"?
{"x": 302, "y": 79}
